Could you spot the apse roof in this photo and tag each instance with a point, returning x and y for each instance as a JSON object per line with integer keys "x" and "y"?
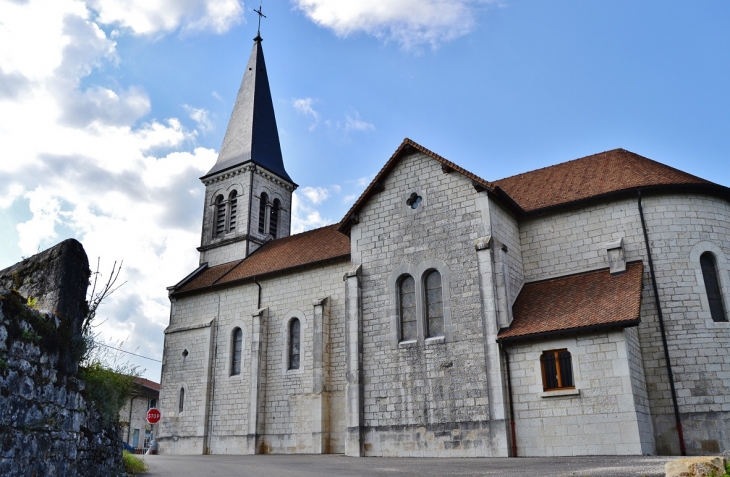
{"x": 592, "y": 176}
{"x": 252, "y": 135}
{"x": 572, "y": 303}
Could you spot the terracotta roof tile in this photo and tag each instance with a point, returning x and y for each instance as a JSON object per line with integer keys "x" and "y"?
{"x": 297, "y": 250}
{"x": 147, "y": 383}
{"x": 591, "y": 176}
{"x": 575, "y": 302}
{"x": 207, "y": 277}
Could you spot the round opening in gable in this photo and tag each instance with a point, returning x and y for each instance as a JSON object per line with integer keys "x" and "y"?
{"x": 185, "y": 354}
{"x": 414, "y": 200}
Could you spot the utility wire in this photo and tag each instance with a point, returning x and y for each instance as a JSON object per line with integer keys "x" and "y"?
{"x": 128, "y": 352}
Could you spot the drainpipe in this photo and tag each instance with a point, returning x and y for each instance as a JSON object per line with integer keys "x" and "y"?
{"x": 258, "y": 303}
{"x": 511, "y": 406}
{"x": 129, "y": 426}
{"x": 670, "y": 374}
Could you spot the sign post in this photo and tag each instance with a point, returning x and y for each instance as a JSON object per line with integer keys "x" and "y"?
{"x": 153, "y": 417}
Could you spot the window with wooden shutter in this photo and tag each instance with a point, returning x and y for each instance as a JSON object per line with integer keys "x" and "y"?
{"x": 712, "y": 287}
{"x": 557, "y": 370}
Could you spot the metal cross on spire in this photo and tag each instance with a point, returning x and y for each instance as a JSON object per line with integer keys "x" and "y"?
{"x": 260, "y": 15}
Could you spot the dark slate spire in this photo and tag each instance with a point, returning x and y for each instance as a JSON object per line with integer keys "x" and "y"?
{"x": 252, "y": 134}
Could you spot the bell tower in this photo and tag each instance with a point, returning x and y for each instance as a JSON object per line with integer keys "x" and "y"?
{"x": 248, "y": 193}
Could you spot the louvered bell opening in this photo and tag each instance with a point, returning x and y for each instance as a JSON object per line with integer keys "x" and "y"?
{"x": 234, "y": 210}
{"x": 262, "y": 213}
{"x": 274, "y": 219}
{"x": 220, "y": 217}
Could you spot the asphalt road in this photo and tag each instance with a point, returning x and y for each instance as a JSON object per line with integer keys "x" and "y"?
{"x": 338, "y": 465}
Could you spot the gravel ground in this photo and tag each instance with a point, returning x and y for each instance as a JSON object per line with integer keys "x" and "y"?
{"x": 338, "y": 465}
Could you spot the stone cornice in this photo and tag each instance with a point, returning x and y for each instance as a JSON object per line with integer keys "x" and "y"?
{"x": 229, "y": 173}
{"x": 275, "y": 179}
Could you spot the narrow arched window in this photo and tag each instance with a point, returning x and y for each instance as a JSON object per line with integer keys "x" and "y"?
{"x": 274, "y": 219}
{"x": 232, "y": 210}
{"x": 220, "y": 216}
{"x": 236, "y": 347}
{"x": 434, "y": 304}
{"x": 294, "y": 343}
{"x": 407, "y": 308}
{"x": 181, "y": 404}
{"x": 712, "y": 286}
{"x": 262, "y": 212}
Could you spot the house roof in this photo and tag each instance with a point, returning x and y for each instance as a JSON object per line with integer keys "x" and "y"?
{"x": 591, "y": 176}
{"x": 407, "y": 147}
{"x": 147, "y": 384}
{"x": 252, "y": 135}
{"x": 577, "y": 302}
{"x": 299, "y": 250}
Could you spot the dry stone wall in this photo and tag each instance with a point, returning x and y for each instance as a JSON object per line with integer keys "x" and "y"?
{"x": 47, "y": 427}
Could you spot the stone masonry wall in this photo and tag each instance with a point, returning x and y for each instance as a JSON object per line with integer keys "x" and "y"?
{"x": 599, "y": 417}
{"x": 427, "y": 398}
{"x": 46, "y": 425}
{"x": 680, "y": 227}
{"x": 288, "y": 412}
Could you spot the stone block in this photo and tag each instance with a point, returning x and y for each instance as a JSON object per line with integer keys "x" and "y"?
{"x": 696, "y": 467}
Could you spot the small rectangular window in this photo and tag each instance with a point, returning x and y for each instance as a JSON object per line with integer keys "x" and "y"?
{"x": 557, "y": 370}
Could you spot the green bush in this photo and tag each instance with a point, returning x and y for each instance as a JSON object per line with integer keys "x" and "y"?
{"x": 107, "y": 389}
{"x": 132, "y": 464}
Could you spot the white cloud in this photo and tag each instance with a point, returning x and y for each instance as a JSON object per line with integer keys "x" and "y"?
{"x": 354, "y": 123}
{"x": 89, "y": 164}
{"x": 148, "y": 17}
{"x": 201, "y": 117}
{"x": 305, "y": 217}
{"x": 316, "y": 195}
{"x": 411, "y": 23}
{"x": 304, "y": 106}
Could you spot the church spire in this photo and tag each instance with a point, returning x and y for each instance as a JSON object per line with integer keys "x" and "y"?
{"x": 252, "y": 135}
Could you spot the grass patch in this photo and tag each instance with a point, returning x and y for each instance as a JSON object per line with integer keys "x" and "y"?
{"x": 132, "y": 464}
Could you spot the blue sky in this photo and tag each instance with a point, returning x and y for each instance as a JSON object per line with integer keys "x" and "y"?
{"x": 110, "y": 110}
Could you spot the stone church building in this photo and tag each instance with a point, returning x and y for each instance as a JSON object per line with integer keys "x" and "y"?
{"x": 573, "y": 310}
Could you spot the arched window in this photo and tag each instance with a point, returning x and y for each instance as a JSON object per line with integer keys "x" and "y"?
{"x": 232, "y": 210}
{"x": 236, "y": 347}
{"x": 434, "y": 304}
{"x": 712, "y": 286}
{"x": 220, "y": 216}
{"x": 294, "y": 343}
{"x": 274, "y": 219}
{"x": 407, "y": 308}
{"x": 557, "y": 370}
{"x": 262, "y": 212}
{"x": 181, "y": 404}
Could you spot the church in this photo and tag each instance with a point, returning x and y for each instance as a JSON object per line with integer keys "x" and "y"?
{"x": 578, "y": 309}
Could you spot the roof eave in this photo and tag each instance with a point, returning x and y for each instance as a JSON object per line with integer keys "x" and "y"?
{"x": 658, "y": 188}
{"x": 571, "y": 331}
{"x": 218, "y": 284}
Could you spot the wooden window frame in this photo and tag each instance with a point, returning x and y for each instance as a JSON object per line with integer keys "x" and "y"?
{"x": 558, "y": 370}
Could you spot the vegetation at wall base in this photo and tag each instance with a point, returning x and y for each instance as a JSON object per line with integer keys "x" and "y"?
{"x": 133, "y": 465}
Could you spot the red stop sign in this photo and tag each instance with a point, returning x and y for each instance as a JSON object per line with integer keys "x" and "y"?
{"x": 153, "y": 416}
